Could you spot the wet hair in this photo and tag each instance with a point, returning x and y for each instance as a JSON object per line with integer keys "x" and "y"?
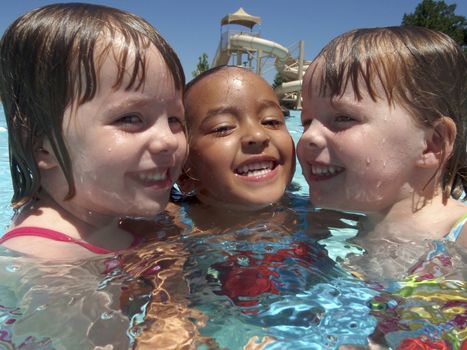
{"x": 50, "y": 60}
{"x": 422, "y": 70}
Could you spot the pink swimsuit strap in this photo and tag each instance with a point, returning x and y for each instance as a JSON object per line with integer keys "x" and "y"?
{"x": 55, "y": 236}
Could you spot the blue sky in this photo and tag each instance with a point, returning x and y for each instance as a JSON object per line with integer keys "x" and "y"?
{"x": 193, "y": 27}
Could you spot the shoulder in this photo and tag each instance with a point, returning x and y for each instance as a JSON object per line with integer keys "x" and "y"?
{"x": 46, "y": 249}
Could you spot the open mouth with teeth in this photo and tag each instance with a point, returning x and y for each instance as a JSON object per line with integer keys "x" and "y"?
{"x": 322, "y": 171}
{"x": 256, "y": 169}
{"x": 153, "y": 176}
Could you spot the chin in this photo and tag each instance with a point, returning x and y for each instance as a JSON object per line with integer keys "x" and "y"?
{"x": 254, "y": 205}
{"x": 322, "y": 203}
{"x": 147, "y": 212}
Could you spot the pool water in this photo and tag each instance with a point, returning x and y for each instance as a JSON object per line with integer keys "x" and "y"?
{"x": 284, "y": 275}
{"x": 5, "y": 183}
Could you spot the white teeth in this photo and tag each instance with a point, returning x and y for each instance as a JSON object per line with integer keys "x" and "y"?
{"x": 320, "y": 170}
{"x": 153, "y": 176}
{"x": 256, "y": 169}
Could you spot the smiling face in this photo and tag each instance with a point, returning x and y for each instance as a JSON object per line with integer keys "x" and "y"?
{"x": 126, "y": 146}
{"x": 358, "y": 155}
{"x": 241, "y": 153}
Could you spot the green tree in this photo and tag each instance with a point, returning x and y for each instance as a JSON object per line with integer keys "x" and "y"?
{"x": 278, "y": 80}
{"x": 202, "y": 65}
{"x": 437, "y": 15}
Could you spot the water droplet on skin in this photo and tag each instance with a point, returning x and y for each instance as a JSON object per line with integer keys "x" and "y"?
{"x": 368, "y": 161}
{"x": 109, "y": 149}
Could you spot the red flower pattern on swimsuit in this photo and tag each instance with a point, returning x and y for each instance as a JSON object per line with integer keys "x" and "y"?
{"x": 422, "y": 343}
{"x": 245, "y": 276}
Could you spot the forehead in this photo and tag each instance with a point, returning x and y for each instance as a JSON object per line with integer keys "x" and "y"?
{"x": 344, "y": 85}
{"x": 227, "y": 84}
{"x": 124, "y": 66}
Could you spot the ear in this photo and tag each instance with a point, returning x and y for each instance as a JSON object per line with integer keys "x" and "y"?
{"x": 439, "y": 143}
{"x": 44, "y": 155}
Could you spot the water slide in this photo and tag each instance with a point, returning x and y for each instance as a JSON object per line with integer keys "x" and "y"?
{"x": 285, "y": 64}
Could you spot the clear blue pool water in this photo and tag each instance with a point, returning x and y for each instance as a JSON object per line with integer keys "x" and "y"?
{"x": 223, "y": 288}
{"x": 5, "y": 183}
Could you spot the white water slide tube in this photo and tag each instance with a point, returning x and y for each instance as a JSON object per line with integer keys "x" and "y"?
{"x": 242, "y": 41}
{"x": 290, "y": 86}
{"x": 248, "y": 42}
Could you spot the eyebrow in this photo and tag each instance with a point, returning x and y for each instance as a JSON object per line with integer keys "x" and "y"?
{"x": 128, "y": 102}
{"x": 263, "y": 104}
{"x": 133, "y": 103}
{"x": 344, "y": 102}
{"x": 220, "y": 110}
{"x": 267, "y": 104}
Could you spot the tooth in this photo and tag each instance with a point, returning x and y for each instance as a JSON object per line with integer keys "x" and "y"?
{"x": 157, "y": 176}
{"x": 323, "y": 170}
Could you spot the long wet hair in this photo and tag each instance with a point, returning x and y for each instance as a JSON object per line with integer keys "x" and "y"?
{"x": 423, "y": 70}
{"x": 49, "y": 60}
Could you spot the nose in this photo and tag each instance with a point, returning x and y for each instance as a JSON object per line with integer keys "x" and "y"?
{"x": 313, "y": 137}
{"x": 162, "y": 138}
{"x": 255, "y": 137}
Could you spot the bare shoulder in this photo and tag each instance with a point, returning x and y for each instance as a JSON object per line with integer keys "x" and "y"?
{"x": 46, "y": 249}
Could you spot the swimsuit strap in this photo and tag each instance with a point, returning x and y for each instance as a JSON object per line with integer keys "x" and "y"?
{"x": 456, "y": 230}
{"x": 51, "y": 234}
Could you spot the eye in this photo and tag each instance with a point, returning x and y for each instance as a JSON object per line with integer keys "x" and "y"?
{"x": 130, "y": 122}
{"x": 273, "y": 123}
{"x": 343, "y": 122}
{"x": 222, "y": 130}
{"x": 129, "y": 119}
{"x": 177, "y": 123}
{"x": 344, "y": 119}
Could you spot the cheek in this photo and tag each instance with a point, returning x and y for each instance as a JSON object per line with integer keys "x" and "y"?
{"x": 213, "y": 153}
{"x": 302, "y": 145}
{"x": 286, "y": 146}
{"x": 289, "y": 155}
{"x": 183, "y": 151}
